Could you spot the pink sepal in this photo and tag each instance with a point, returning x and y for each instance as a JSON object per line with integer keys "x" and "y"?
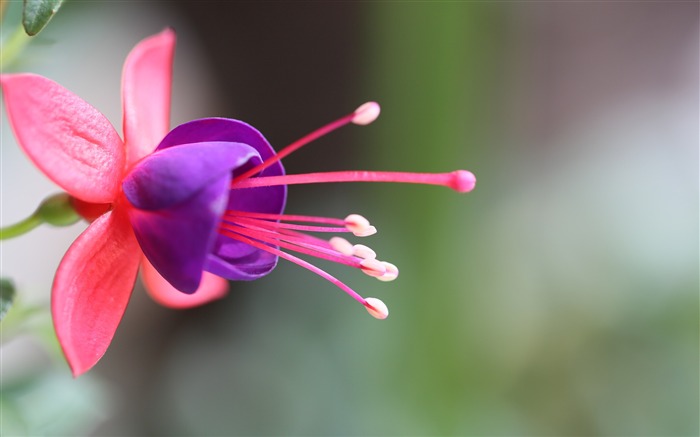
{"x": 146, "y": 83}
{"x": 65, "y": 137}
{"x": 92, "y": 288}
{"x": 211, "y": 288}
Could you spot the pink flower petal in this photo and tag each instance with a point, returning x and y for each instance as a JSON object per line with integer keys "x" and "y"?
{"x": 211, "y": 288}
{"x": 146, "y": 83}
{"x": 69, "y": 140}
{"x": 92, "y": 288}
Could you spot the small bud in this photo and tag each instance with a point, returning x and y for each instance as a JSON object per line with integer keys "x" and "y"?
{"x": 366, "y": 113}
{"x": 57, "y": 210}
{"x": 376, "y": 308}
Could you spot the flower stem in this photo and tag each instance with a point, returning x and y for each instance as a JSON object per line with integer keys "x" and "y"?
{"x": 13, "y": 46}
{"x": 21, "y": 227}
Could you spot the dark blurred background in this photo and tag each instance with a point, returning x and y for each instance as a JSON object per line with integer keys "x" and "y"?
{"x": 559, "y": 298}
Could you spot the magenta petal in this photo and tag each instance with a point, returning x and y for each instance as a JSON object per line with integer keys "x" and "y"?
{"x": 211, "y": 288}
{"x": 92, "y": 288}
{"x": 146, "y": 83}
{"x": 69, "y": 140}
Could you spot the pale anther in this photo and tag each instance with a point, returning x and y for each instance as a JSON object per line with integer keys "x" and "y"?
{"x": 392, "y": 272}
{"x": 362, "y": 251}
{"x": 376, "y": 308}
{"x": 366, "y": 113}
{"x": 341, "y": 245}
{"x": 372, "y": 267}
{"x": 366, "y": 232}
{"x": 359, "y": 226}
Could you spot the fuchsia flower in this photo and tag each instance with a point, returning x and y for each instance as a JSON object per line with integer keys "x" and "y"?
{"x": 206, "y": 204}
{"x": 77, "y": 148}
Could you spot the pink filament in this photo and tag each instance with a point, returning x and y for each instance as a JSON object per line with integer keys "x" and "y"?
{"x": 330, "y": 127}
{"x": 288, "y": 217}
{"x": 298, "y": 244}
{"x": 454, "y": 180}
{"x": 275, "y": 225}
{"x": 297, "y": 261}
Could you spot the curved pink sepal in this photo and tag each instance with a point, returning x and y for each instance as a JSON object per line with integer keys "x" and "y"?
{"x": 146, "y": 83}
{"x": 211, "y": 288}
{"x": 69, "y": 140}
{"x": 92, "y": 288}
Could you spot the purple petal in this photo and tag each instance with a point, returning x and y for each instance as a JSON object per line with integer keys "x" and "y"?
{"x": 266, "y": 199}
{"x": 232, "y": 259}
{"x": 178, "y": 196}
{"x": 253, "y": 265}
{"x": 178, "y": 239}
{"x": 168, "y": 177}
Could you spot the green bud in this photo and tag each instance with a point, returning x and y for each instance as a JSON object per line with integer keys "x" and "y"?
{"x": 57, "y": 210}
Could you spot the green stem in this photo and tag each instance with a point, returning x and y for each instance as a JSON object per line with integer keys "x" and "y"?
{"x": 20, "y": 228}
{"x": 13, "y": 47}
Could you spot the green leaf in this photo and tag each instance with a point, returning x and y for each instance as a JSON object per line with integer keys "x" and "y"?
{"x": 37, "y": 13}
{"x": 7, "y": 296}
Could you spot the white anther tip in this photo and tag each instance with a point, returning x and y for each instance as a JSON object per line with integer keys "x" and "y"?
{"x": 391, "y": 273}
{"x": 342, "y": 245}
{"x": 359, "y": 225}
{"x": 356, "y": 220}
{"x": 366, "y": 113}
{"x": 365, "y": 232}
{"x": 364, "y": 252}
{"x": 372, "y": 267}
{"x": 376, "y": 308}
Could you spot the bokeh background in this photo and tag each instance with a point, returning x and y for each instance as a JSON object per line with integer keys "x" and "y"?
{"x": 559, "y": 298}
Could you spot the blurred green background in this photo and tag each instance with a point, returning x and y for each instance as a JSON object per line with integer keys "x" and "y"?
{"x": 559, "y": 298}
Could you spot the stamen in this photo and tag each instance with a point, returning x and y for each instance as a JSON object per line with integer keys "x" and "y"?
{"x": 341, "y": 245}
{"x": 392, "y": 272}
{"x": 461, "y": 181}
{"x": 376, "y": 308}
{"x": 275, "y": 225}
{"x": 288, "y": 217}
{"x": 362, "y": 251}
{"x": 372, "y": 267}
{"x": 294, "y": 243}
{"x": 359, "y": 226}
{"x": 374, "y": 304}
{"x": 365, "y": 114}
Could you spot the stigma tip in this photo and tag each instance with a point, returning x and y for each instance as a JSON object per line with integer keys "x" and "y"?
{"x": 376, "y": 308}
{"x": 463, "y": 181}
{"x": 366, "y": 113}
